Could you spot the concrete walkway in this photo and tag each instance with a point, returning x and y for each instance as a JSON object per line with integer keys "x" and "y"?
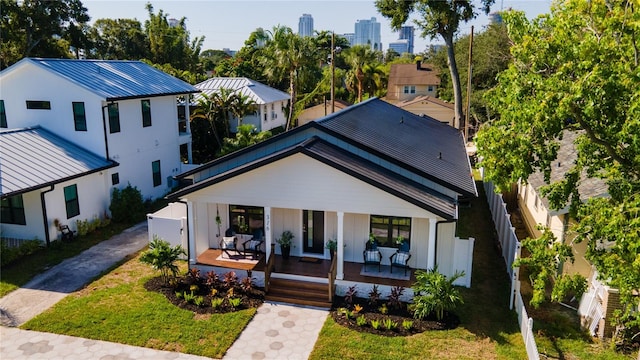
{"x": 51, "y": 286}
{"x": 278, "y": 331}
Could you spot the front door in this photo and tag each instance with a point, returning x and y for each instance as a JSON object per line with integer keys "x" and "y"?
{"x": 313, "y": 231}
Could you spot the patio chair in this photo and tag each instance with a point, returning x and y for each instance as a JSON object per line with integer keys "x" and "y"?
{"x": 372, "y": 257}
{"x": 67, "y": 234}
{"x": 254, "y": 244}
{"x": 229, "y": 243}
{"x": 400, "y": 259}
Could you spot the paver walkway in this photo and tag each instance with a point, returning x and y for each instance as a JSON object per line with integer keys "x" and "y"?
{"x": 279, "y": 331}
{"x": 51, "y": 286}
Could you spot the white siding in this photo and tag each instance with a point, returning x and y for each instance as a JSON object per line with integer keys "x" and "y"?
{"x": 445, "y": 248}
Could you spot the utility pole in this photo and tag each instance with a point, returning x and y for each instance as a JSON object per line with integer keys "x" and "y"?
{"x": 466, "y": 118}
{"x": 333, "y": 71}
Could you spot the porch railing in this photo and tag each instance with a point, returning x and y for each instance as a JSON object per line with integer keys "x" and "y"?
{"x": 332, "y": 277}
{"x": 267, "y": 271}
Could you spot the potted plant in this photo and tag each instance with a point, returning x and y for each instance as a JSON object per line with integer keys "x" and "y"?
{"x": 285, "y": 243}
{"x": 372, "y": 243}
{"x": 402, "y": 244}
{"x": 332, "y": 245}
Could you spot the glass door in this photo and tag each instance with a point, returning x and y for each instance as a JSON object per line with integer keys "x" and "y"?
{"x": 313, "y": 231}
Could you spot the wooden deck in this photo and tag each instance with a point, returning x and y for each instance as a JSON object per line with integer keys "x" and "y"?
{"x": 296, "y": 266}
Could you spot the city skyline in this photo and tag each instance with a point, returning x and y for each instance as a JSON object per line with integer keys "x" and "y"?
{"x": 227, "y": 24}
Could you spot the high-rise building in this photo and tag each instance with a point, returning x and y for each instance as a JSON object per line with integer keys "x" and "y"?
{"x": 367, "y": 32}
{"x": 400, "y": 46}
{"x": 407, "y": 33}
{"x": 351, "y": 37}
{"x": 305, "y": 25}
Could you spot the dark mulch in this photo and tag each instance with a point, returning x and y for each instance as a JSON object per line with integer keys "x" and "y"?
{"x": 397, "y": 314}
{"x": 251, "y": 298}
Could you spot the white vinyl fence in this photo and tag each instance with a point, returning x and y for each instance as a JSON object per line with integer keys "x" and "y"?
{"x": 510, "y": 246}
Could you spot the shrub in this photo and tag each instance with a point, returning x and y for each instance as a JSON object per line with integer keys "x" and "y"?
{"x": 212, "y": 279}
{"x": 374, "y": 295}
{"x": 235, "y": 302}
{"x": 179, "y": 295}
{"x": 246, "y": 284}
{"x": 389, "y": 324}
{"x": 361, "y": 320}
{"x": 9, "y": 254}
{"x": 394, "y": 297}
{"x": 216, "y": 302}
{"x": 375, "y": 324}
{"x": 189, "y": 297}
{"x": 127, "y": 205}
{"x": 435, "y": 293}
{"x": 198, "y": 300}
{"x": 407, "y": 324}
{"x": 230, "y": 280}
{"x": 162, "y": 257}
{"x": 350, "y": 294}
{"x": 383, "y": 309}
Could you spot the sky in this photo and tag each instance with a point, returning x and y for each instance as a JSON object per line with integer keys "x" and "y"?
{"x": 227, "y": 24}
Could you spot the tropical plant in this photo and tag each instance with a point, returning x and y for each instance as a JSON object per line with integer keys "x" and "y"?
{"x": 331, "y": 245}
{"x": 286, "y": 238}
{"x": 435, "y": 293}
{"x": 350, "y": 294}
{"x": 374, "y": 295}
{"x": 375, "y": 324}
{"x": 216, "y": 302}
{"x": 357, "y": 57}
{"x": 395, "y": 296}
{"x": 407, "y": 324}
{"x": 389, "y": 324}
{"x": 246, "y": 135}
{"x": 361, "y": 320}
{"x": 162, "y": 257}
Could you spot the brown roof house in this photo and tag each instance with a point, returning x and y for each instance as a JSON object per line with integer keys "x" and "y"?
{"x": 406, "y": 81}
{"x": 321, "y": 110}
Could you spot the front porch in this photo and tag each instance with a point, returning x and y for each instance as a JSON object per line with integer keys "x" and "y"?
{"x": 296, "y": 266}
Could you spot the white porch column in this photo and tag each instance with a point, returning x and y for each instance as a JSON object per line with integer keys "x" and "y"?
{"x": 192, "y": 233}
{"x": 431, "y": 249}
{"x": 187, "y": 116}
{"x": 267, "y": 231}
{"x": 340, "y": 249}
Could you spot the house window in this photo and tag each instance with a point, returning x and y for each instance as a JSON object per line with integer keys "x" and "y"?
{"x": 246, "y": 219}
{"x": 536, "y": 202}
{"x": 430, "y": 88}
{"x": 409, "y": 89}
{"x": 12, "y": 210}
{"x": 157, "y": 176}
{"x": 79, "y": 117}
{"x": 114, "y": 118}
{"x": 146, "y": 112}
{"x": 386, "y": 229}
{"x": 38, "y": 105}
{"x": 115, "y": 179}
{"x": 71, "y": 201}
{"x": 3, "y": 115}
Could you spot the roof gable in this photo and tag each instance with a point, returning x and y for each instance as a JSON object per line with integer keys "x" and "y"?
{"x": 33, "y": 158}
{"x": 409, "y": 74}
{"x": 113, "y": 79}
{"x": 256, "y": 91}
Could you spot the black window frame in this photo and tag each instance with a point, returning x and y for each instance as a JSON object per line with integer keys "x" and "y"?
{"x": 3, "y": 116}
{"x": 72, "y": 204}
{"x": 38, "y": 105}
{"x": 157, "y": 175}
{"x": 115, "y": 179}
{"x": 79, "y": 119}
{"x": 146, "y": 112}
{"x": 114, "y": 118}
{"x": 392, "y": 226}
{"x": 12, "y": 210}
{"x": 240, "y": 215}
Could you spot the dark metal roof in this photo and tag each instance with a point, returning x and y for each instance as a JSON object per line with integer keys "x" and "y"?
{"x": 352, "y": 165}
{"x": 34, "y": 158}
{"x": 116, "y": 79}
{"x": 422, "y": 144}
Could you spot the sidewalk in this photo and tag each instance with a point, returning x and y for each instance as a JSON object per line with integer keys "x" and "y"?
{"x": 51, "y": 286}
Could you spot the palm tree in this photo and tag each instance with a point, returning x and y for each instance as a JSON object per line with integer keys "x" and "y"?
{"x": 357, "y": 57}
{"x": 285, "y": 57}
{"x": 242, "y": 106}
{"x": 246, "y": 135}
{"x": 375, "y": 79}
{"x": 208, "y": 110}
{"x": 435, "y": 293}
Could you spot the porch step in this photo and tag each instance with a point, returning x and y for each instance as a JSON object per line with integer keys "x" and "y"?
{"x": 299, "y": 292}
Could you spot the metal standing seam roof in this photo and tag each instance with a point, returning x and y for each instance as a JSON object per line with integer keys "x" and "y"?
{"x": 115, "y": 79}
{"x": 350, "y": 164}
{"x": 256, "y": 91}
{"x": 33, "y": 158}
{"x": 422, "y": 143}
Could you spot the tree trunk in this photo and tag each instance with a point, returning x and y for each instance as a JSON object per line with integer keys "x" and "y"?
{"x": 292, "y": 93}
{"x": 360, "y": 77}
{"x": 455, "y": 80}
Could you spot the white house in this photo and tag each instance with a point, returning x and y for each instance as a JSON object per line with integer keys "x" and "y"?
{"x": 406, "y": 81}
{"x": 370, "y": 168}
{"x": 270, "y": 102}
{"x": 124, "y": 112}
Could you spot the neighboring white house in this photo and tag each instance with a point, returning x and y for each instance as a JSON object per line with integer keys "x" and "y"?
{"x": 429, "y": 106}
{"x": 369, "y": 168}
{"x": 124, "y": 112}
{"x": 270, "y": 102}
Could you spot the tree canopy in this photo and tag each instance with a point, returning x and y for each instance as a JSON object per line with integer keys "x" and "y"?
{"x": 576, "y": 69}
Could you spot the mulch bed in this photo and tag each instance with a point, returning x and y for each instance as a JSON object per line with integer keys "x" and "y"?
{"x": 396, "y": 314}
{"x": 252, "y": 298}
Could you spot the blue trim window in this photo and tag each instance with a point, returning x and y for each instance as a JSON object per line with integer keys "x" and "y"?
{"x": 146, "y": 112}
{"x": 79, "y": 117}
{"x": 12, "y": 211}
{"x": 157, "y": 176}
{"x": 114, "y": 118}
{"x": 71, "y": 201}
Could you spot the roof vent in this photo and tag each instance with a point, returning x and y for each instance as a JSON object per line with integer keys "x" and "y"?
{"x": 402, "y": 120}
{"x": 440, "y": 155}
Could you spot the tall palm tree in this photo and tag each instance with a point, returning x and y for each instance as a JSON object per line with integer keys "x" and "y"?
{"x": 207, "y": 109}
{"x": 242, "y": 106}
{"x": 285, "y": 57}
{"x": 357, "y": 57}
{"x": 375, "y": 79}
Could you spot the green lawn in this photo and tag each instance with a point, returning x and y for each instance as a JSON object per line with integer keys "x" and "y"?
{"x": 117, "y": 308}
{"x": 20, "y": 272}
